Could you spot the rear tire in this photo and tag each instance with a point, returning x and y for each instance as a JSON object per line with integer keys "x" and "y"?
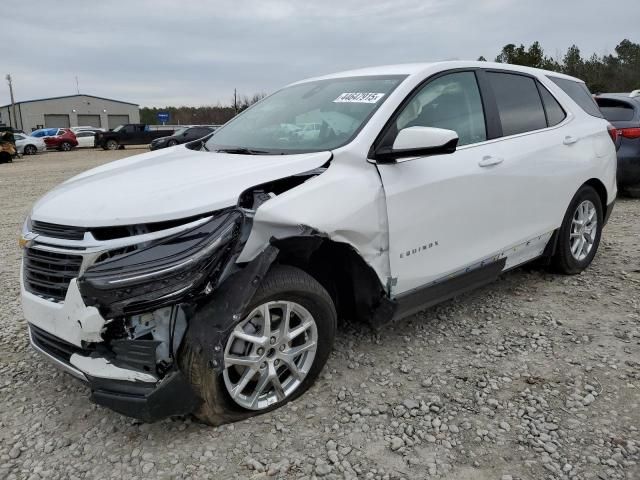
{"x": 283, "y": 285}
{"x": 30, "y": 150}
{"x": 579, "y": 235}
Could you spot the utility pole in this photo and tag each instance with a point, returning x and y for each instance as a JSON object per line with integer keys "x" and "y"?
{"x": 235, "y": 101}
{"x": 14, "y": 123}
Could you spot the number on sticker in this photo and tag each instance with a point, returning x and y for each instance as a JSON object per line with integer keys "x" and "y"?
{"x": 358, "y": 97}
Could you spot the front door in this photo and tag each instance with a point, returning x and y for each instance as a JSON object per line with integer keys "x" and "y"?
{"x": 445, "y": 212}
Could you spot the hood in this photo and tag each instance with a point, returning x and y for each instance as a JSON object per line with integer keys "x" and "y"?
{"x": 164, "y": 185}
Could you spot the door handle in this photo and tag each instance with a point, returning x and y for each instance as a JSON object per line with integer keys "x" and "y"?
{"x": 569, "y": 140}
{"x": 488, "y": 161}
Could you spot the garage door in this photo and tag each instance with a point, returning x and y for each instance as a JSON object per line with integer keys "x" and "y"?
{"x": 56, "y": 121}
{"x": 89, "y": 121}
{"x": 115, "y": 120}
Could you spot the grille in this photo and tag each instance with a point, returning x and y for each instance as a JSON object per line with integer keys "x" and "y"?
{"x": 54, "y": 346}
{"x": 48, "y": 273}
{"x": 58, "y": 231}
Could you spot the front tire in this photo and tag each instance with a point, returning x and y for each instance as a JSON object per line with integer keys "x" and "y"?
{"x": 65, "y": 146}
{"x": 171, "y": 143}
{"x": 111, "y": 145}
{"x": 272, "y": 355}
{"x": 579, "y": 235}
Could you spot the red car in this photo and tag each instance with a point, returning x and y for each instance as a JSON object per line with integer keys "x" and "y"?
{"x": 64, "y": 140}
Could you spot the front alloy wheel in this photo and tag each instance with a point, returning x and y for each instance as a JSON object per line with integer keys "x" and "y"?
{"x": 269, "y": 354}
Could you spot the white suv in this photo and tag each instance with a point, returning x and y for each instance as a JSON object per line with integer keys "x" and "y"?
{"x": 209, "y": 277}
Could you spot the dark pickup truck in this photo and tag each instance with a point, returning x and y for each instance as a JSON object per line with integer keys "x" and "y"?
{"x": 129, "y": 134}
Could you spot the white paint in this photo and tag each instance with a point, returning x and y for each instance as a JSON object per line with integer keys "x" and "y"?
{"x": 423, "y": 137}
{"x": 99, "y": 367}
{"x": 164, "y": 184}
{"x": 71, "y": 321}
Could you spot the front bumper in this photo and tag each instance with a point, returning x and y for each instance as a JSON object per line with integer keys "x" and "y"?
{"x": 70, "y": 346}
{"x": 144, "y": 400}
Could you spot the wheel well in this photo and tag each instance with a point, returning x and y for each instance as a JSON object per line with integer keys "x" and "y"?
{"x": 601, "y": 190}
{"x": 353, "y": 285}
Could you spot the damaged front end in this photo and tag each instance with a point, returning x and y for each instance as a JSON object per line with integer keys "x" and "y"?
{"x": 112, "y": 306}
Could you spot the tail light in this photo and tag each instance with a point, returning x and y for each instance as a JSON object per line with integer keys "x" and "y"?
{"x": 613, "y": 133}
{"x": 629, "y": 132}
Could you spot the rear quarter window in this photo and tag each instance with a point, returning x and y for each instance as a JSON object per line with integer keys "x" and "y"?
{"x": 580, "y": 94}
{"x": 615, "y": 110}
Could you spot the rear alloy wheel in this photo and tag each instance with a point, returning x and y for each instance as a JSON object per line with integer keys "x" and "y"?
{"x": 65, "y": 146}
{"x": 579, "y": 235}
{"x": 271, "y": 356}
{"x": 30, "y": 150}
{"x": 112, "y": 145}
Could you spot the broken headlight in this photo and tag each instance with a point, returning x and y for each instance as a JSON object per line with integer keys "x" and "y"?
{"x": 162, "y": 272}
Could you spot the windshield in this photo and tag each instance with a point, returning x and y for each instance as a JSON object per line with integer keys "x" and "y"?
{"x": 180, "y": 131}
{"x": 118, "y": 128}
{"x": 309, "y": 117}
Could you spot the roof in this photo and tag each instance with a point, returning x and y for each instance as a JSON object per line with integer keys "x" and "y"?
{"x": 70, "y": 96}
{"x": 420, "y": 68}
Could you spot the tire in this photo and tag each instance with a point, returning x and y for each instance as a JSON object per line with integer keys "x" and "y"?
{"x": 111, "y": 145}
{"x": 564, "y": 260}
{"x": 282, "y": 284}
{"x": 5, "y": 157}
{"x": 30, "y": 150}
{"x": 65, "y": 146}
{"x": 171, "y": 143}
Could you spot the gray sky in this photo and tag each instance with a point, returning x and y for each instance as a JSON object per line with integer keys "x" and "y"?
{"x": 181, "y": 52}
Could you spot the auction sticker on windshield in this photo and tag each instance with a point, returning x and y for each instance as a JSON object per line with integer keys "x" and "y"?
{"x": 358, "y": 97}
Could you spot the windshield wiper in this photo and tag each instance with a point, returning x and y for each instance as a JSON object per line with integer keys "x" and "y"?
{"x": 241, "y": 151}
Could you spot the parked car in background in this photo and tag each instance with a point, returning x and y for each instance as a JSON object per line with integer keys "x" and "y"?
{"x": 130, "y": 134}
{"x": 86, "y": 138}
{"x": 28, "y": 145}
{"x": 64, "y": 140}
{"x": 183, "y": 135}
{"x": 623, "y": 111}
{"x": 209, "y": 278}
{"x": 46, "y": 132}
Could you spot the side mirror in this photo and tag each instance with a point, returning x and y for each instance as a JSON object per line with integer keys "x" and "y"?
{"x": 419, "y": 142}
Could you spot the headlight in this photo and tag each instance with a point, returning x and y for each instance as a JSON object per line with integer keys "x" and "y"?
{"x": 163, "y": 271}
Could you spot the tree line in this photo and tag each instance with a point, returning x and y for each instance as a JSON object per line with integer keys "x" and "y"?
{"x": 204, "y": 115}
{"x": 613, "y": 72}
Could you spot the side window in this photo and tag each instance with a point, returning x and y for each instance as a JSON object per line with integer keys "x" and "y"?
{"x": 452, "y": 102}
{"x": 555, "y": 113}
{"x": 519, "y": 105}
{"x": 580, "y": 94}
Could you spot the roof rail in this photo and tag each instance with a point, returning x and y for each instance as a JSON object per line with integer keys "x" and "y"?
{"x": 635, "y": 93}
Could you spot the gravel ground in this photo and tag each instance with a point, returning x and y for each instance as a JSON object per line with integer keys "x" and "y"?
{"x": 536, "y": 376}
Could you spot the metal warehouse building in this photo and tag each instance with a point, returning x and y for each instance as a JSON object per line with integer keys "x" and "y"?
{"x": 70, "y": 111}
